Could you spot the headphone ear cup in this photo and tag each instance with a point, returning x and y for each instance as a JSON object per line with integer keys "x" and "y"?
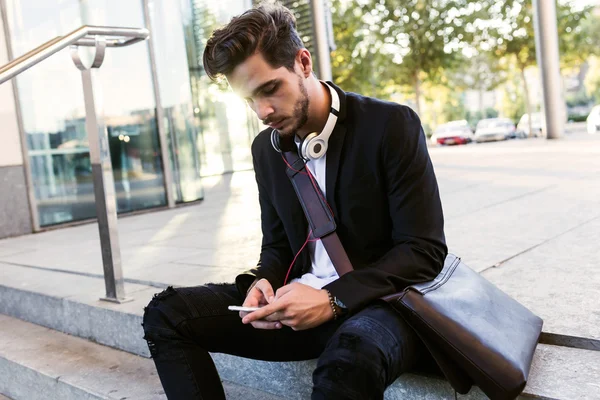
{"x": 317, "y": 148}
{"x": 275, "y": 140}
{"x": 305, "y": 146}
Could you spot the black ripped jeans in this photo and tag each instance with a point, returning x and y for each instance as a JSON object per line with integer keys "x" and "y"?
{"x": 359, "y": 355}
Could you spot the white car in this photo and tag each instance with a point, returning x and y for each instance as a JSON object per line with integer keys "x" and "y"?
{"x": 454, "y": 132}
{"x": 492, "y": 129}
{"x": 538, "y": 125}
{"x": 593, "y": 120}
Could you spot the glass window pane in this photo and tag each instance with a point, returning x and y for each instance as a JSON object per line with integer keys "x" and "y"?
{"x": 51, "y": 100}
{"x": 176, "y": 97}
{"x": 130, "y": 109}
{"x": 51, "y": 97}
{"x": 227, "y": 125}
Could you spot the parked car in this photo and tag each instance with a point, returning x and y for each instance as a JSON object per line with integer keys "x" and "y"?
{"x": 538, "y": 125}
{"x": 492, "y": 129}
{"x": 454, "y": 132}
{"x": 593, "y": 120}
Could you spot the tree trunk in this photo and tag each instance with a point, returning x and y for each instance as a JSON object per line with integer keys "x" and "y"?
{"x": 417, "y": 93}
{"x": 527, "y": 102}
{"x": 481, "y": 107}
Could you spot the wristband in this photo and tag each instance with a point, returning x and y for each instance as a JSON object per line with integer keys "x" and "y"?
{"x": 332, "y": 304}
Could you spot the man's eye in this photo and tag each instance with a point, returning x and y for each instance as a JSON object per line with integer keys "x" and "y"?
{"x": 271, "y": 90}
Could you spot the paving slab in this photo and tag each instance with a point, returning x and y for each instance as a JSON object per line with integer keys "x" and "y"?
{"x": 564, "y": 373}
{"x": 494, "y": 234}
{"x": 559, "y": 281}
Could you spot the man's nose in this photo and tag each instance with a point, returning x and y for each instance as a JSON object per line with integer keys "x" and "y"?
{"x": 263, "y": 109}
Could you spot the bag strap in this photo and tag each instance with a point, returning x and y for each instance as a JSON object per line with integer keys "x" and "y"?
{"x": 317, "y": 211}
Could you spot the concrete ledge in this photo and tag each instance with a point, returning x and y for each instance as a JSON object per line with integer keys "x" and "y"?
{"x": 108, "y": 327}
{"x": 37, "y": 363}
{"x": 557, "y": 373}
{"x": 293, "y": 380}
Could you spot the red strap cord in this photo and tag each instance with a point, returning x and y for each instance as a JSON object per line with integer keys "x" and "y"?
{"x": 315, "y": 185}
{"x": 308, "y": 239}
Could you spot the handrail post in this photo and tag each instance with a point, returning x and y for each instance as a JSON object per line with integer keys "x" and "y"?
{"x": 102, "y": 174}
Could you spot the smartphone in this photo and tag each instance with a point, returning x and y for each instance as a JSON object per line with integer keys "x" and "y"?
{"x": 246, "y": 309}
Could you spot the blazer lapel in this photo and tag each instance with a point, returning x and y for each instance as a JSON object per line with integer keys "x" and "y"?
{"x": 334, "y": 151}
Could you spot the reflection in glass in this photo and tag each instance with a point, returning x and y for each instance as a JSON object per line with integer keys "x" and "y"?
{"x": 52, "y": 105}
{"x": 226, "y": 123}
{"x": 176, "y": 97}
{"x": 129, "y": 109}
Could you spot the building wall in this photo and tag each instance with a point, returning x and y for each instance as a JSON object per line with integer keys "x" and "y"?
{"x": 15, "y": 217}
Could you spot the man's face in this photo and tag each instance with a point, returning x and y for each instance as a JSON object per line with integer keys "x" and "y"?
{"x": 277, "y": 96}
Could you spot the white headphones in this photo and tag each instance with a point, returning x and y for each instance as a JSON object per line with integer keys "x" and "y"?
{"x": 314, "y": 145}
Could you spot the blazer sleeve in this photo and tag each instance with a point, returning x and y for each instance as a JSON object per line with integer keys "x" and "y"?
{"x": 415, "y": 209}
{"x": 276, "y": 253}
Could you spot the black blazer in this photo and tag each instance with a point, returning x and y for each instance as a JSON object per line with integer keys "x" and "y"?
{"x": 382, "y": 190}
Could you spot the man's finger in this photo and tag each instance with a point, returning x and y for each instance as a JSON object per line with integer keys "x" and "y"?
{"x": 284, "y": 289}
{"x": 266, "y": 289}
{"x": 267, "y": 325}
{"x": 263, "y": 312}
{"x": 275, "y": 317}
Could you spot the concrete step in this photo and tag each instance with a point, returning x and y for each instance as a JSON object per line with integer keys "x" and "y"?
{"x": 80, "y": 313}
{"x": 557, "y": 373}
{"x": 40, "y": 363}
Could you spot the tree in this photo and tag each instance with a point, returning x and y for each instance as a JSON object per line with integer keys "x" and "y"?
{"x": 592, "y": 79}
{"x": 483, "y": 73}
{"x": 511, "y": 35}
{"x": 396, "y": 43}
{"x": 354, "y": 66}
{"x": 424, "y": 37}
{"x": 513, "y": 100}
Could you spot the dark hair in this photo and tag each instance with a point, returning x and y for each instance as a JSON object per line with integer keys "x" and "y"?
{"x": 268, "y": 28}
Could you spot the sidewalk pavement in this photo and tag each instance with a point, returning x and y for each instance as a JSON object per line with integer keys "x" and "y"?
{"x": 524, "y": 213}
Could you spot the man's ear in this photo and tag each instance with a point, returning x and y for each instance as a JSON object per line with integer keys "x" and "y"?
{"x": 304, "y": 61}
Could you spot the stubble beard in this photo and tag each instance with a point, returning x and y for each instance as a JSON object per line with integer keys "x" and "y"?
{"x": 300, "y": 111}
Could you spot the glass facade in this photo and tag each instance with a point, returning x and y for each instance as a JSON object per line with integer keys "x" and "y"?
{"x": 54, "y": 116}
{"x": 208, "y": 130}
{"x": 176, "y": 98}
{"x": 227, "y": 125}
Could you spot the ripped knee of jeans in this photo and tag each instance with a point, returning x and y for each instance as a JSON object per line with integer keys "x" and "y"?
{"x": 157, "y": 297}
{"x": 160, "y": 319}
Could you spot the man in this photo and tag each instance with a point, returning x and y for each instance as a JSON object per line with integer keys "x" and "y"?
{"x": 379, "y": 182}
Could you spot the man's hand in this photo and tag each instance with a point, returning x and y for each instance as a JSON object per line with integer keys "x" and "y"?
{"x": 295, "y": 305}
{"x": 260, "y": 295}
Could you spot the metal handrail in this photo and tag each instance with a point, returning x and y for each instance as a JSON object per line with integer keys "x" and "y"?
{"x": 98, "y": 37}
{"x": 83, "y": 36}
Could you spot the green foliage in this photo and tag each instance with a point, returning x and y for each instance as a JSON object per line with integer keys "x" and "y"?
{"x": 422, "y": 48}
{"x": 513, "y": 101}
{"x": 514, "y": 34}
{"x": 578, "y": 117}
{"x": 454, "y": 107}
{"x": 580, "y": 98}
{"x": 474, "y": 117}
{"x": 592, "y": 80}
{"x": 396, "y": 43}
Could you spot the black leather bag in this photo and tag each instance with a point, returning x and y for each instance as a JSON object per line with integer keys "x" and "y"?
{"x": 476, "y": 333}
